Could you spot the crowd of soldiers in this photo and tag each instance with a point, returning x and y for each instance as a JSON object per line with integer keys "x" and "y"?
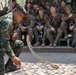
{"x": 39, "y": 21}
{"x": 49, "y": 20}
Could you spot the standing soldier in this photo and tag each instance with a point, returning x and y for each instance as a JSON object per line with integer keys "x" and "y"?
{"x": 5, "y": 44}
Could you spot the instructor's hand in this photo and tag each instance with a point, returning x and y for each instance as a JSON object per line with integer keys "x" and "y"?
{"x": 16, "y": 61}
{"x": 14, "y": 37}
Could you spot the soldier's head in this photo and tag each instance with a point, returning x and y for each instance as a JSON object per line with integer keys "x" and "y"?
{"x": 43, "y": 2}
{"x": 68, "y": 9}
{"x": 28, "y": 5}
{"x": 56, "y": 0}
{"x": 63, "y": 4}
{"x": 47, "y": 5}
{"x": 53, "y": 10}
{"x": 41, "y": 11}
{"x": 13, "y": 3}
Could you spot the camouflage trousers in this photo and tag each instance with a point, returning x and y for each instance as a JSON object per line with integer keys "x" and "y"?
{"x": 74, "y": 36}
{"x": 17, "y": 47}
{"x": 1, "y": 65}
{"x": 50, "y": 35}
{"x": 27, "y": 31}
{"x": 66, "y": 31}
{"x": 44, "y": 31}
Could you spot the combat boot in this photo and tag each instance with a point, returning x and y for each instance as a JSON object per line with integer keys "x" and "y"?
{"x": 51, "y": 44}
{"x": 43, "y": 44}
{"x": 66, "y": 36}
{"x": 9, "y": 66}
{"x": 37, "y": 44}
{"x": 54, "y": 44}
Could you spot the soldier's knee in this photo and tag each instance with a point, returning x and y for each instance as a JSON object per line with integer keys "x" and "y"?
{"x": 19, "y": 43}
{"x": 45, "y": 28}
{"x": 59, "y": 30}
{"x": 63, "y": 24}
{"x": 18, "y": 30}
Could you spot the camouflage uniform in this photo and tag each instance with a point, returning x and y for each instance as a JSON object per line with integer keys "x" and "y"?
{"x": 34, "y": 12}
{"x": 70, "y": 21}
{"x": 26, "y": 22}
{"x": 57, "y": 4}
{"x": 2, "y": 44}
{"x": 55, "y": 23}
{"x": 61, "y": 10}
{"x": 47, "y": 10}
{"x": 5, "y": 46}
{"x": 42, "y": 22}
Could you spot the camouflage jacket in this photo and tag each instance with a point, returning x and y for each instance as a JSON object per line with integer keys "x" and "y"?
{"x": 70, "y": 20}
{"x": 5, "y": 22}
{"x": 43, "y": 21}
{"x": 55, "y": 21}
{"x": 28, "y": 22}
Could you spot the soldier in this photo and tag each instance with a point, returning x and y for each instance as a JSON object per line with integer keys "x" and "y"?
{"x": 26, "y": 27}
{"x": 47, "y": 10}
{"x": 29, "y": 7}
{"x": 42, "y": 4}
{"x": 17, "y": 47}
{"x": 24, "y": 21}
{"x": 35, "y": 10}
{"x": 61, "y": 9}
{"x": 70, "y": 22}
{"x": 5, "y": 44}
{"x": 42, "y": 24}
{"x": 55, "y": 21}
{"x": 56, "y": 3}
